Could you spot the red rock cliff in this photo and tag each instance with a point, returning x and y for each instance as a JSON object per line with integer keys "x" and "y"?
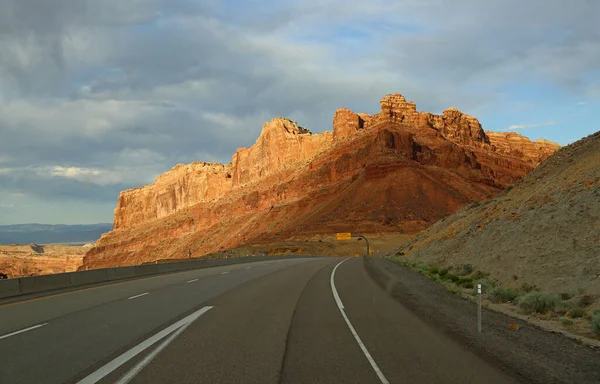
{"x": 398, "y": 170}
{"x": 282, "y": 144}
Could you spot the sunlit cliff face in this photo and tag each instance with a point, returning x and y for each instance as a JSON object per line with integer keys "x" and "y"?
{"x": 396, "y": 171}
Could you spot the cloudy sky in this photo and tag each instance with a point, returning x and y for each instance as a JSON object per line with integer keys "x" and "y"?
{"x": 97, "y": 96}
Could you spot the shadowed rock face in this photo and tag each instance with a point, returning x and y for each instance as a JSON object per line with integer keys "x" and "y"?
{"x": 396, "y": 171}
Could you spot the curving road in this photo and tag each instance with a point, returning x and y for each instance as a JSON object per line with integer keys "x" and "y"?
{"x": 305, "y": 320}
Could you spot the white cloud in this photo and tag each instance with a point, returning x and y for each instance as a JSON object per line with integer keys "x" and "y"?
{"x": 582, "y": 103}
{"x": 524, "y": 126}
{"x": 58, "y": 118}
{"x": 18, "y": 195}
{"x": 101, "y": 177}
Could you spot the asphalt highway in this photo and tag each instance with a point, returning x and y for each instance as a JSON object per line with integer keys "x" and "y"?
{"x": 309, "y": 320}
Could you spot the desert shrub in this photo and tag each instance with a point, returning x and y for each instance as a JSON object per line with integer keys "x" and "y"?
{"x": 586, "y": 301}
{"x": 528, "y": 288}
{"x": 451, "y": 277}
{"x": 539, "y": 302}
{"x": 596, "y": 324}
{"x": 434, "y": 270}
{"x": 480, "y": 275}
{"x": 399, "y": 253}
{"x": 577, "y": 312}
{"x": 565, "y": 296}
{"x": 464, "y": 281}
{"x": 443, "y": 272}
{"x": 562, "y": 307}
{"x": 566, "y": 321}
{"x": 503, "y": 295}
{"x": 451, "y": 288}
{"x": 464, "y": 270}
{"x": 423, "y": 269}
{"x": 468, "y": 285}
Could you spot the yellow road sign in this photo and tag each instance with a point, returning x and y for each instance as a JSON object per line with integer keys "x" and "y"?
{"x": 344, "y": 236}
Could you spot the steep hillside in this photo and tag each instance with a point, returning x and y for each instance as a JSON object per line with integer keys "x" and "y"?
{"x": 396, "y": 171}
{"x": 545, "y": 231}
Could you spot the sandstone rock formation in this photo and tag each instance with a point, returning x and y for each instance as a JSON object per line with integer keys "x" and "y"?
{"x": 31, "y": 260}
{"x": 396, "y": 171}
{"x": 513, "y": 144}
{"x": 282, "y": 143}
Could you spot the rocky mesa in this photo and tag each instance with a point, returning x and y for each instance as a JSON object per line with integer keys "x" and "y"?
{"x": 399, "y": 170}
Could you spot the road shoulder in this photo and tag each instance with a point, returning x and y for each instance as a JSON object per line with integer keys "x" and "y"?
{"x": 530, "y": 353}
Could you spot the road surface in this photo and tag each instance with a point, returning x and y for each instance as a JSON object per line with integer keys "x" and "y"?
{"x": 309, "y": 320}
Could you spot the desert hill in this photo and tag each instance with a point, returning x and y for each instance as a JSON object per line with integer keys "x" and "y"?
{"x": 545, "y": 231}
{"x": 397, "y": 171}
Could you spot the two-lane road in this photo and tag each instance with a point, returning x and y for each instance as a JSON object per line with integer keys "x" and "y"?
{"x": 309, "y": 320}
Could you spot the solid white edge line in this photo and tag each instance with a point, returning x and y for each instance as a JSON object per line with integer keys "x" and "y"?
{"x": 133, "y": 372}
{"x": 125, "y": 357}
{"x": 224, "y": 273}
{"x": 135, "y": 297}
{"x": 354, "y": 333}
{"x": 192, "y": 281}
{"x": 22, "y": 331}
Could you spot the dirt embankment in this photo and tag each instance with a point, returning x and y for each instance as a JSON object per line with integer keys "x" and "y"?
{"x": 318, "y": 245}
{"x": 31, "y": 260}
{"x": 326, "y": 245}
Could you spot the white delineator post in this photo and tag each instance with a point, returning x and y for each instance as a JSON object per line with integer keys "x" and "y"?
{"x": 479, "y": 308}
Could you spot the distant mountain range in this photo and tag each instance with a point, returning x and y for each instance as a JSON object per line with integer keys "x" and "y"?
{"x": 51, "y": 234}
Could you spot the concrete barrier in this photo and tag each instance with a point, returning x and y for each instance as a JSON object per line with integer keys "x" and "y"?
{"x": 9, "y": 288}
{"x": 145, "y": 270}
{"x": 175, "y": 267}
{"x": 36, "y": 284}
{"x": 43, "y": 283}
{"x": 88, "y": 277}
{"x": 120, "y": 273}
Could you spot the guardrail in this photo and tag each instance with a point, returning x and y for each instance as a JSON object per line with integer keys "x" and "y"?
{"x": 45, "y": 283}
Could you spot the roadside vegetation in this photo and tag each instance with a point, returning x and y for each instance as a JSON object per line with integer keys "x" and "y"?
{"x": 567, "y": 309}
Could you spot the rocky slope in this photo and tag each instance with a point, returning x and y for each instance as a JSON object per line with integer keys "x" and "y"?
{"x": 545, "y": 231}
{"x": 396, "y": 171}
